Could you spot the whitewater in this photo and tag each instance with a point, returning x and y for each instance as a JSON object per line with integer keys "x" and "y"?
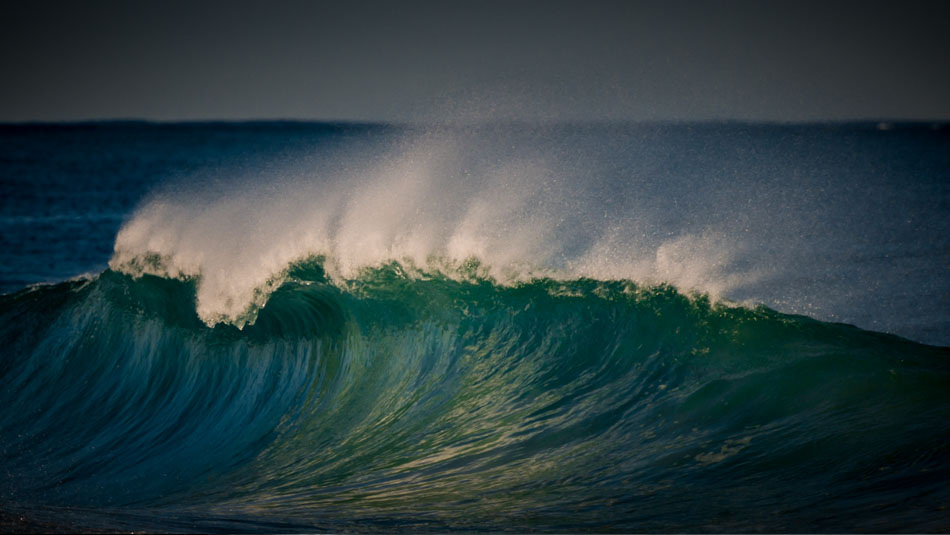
{"x": 316, "y": 327}
{"x": 424, "y": 203}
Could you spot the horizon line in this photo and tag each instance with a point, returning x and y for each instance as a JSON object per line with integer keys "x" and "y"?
{"x": 880, "y": 123}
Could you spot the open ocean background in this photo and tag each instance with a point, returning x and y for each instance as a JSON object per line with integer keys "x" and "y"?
{"x": 288, "y": 326}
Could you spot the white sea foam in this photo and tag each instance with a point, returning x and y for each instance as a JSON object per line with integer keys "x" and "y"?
{"x": 429, "y": 202}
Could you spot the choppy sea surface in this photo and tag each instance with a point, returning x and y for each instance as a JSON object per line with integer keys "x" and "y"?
{"x": 299, "y": 327}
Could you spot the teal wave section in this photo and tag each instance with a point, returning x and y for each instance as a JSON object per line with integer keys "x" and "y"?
{"x": 411, "y": 401}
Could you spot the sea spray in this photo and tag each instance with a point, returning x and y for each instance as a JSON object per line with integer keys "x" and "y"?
{"x": 424, "y": 203}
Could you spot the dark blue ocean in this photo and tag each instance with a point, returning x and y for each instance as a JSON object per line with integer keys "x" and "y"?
{"x": 310, "y": 327}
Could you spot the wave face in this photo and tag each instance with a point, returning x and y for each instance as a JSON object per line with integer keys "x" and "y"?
{"x": 403, "y": 399}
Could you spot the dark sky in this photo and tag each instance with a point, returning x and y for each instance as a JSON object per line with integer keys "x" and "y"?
{"x": 449, "y": 60}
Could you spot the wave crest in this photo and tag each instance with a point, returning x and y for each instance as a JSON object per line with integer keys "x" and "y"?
{"x": 425, "y": 205}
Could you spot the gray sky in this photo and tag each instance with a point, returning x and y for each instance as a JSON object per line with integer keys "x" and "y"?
{"x": 447, "y": 60}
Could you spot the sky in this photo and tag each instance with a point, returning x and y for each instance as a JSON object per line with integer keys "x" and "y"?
{"x": 417, "y": 61}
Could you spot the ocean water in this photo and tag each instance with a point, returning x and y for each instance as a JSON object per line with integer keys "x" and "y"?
{"x": 284, "y": 327}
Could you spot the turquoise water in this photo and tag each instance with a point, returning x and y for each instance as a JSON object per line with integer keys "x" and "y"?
{"x": 237, "y": 360}
{"x": 395, "y": 403}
